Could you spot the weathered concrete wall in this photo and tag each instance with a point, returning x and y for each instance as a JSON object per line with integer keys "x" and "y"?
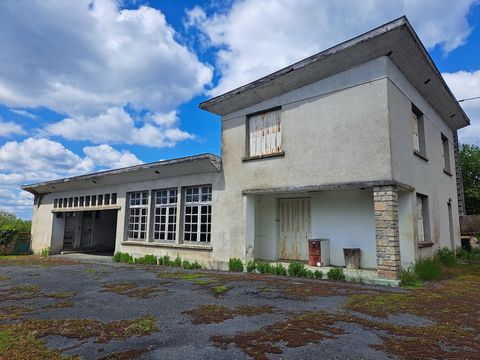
{"x": 425, "y": 177}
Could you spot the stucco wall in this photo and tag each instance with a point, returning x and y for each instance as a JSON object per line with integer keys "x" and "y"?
{"x": 425, "y": 177}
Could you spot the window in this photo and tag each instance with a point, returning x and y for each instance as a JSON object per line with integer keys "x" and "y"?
{"x": 418, "y": 132}
{"x": 87, "y": 200}
{"x": 100, "y": 200}
{"x": 197, "y": 214}
{"x": 55, "y": 203}
{"x": 82, "y": 200}
{"x": 94, "y": 200}
{"x": 75, "y": 201}
{"x": 114, "y": 198}
{"x": 422, "y": 219}
{"x": 107, "y": 199}
{"x": 446, "y": 154}
{"x": 265, "y": 136}
{"x": 165, "y": 219}
{"x": 70, "y": 202}
{"x": 138, "y": 209}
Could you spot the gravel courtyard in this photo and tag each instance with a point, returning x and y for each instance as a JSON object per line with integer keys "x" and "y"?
{"x": 60, "y": 308}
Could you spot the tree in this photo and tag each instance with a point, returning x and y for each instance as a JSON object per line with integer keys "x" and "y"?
{"x": 470, "y": 164}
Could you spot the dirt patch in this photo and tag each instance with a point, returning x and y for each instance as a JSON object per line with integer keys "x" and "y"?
{"x": 15, "y": 312}
{"x": 131, "y": 290}
{"x": 19, "y": 293}
{"x": 126, "y": 355}
{"x": 59, "y": 305}
{"x": 62, "y": 295}
{"x": 34, "y": 260}
{"x": 207, "y": 314}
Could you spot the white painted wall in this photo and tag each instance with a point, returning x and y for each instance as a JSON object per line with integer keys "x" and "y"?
{"x": 345, "y": 217}
{"x": 406, "y": 211}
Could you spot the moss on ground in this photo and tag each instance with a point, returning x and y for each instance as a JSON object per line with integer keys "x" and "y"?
{"x": 207, "y": 314}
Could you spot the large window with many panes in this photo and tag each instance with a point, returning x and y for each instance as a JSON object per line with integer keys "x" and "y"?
{"x": 138, "y": 213}
{"x": 197, "y": 214}
{"x": 165, "y": 215}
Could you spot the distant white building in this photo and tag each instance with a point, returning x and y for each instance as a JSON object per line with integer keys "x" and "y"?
{"x": 356, "y": 144}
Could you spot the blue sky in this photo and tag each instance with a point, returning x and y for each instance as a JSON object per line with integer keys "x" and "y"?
{"x": 88, "y": 85}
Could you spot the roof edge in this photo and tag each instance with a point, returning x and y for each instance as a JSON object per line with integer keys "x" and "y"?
{"x": 214, "y": 159}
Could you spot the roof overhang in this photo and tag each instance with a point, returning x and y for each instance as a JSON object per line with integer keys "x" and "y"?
{"x": 396, "y": 39}
{"x": 198, "y": 164}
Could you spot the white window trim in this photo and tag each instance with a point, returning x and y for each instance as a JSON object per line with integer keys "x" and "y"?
{"x": 138, "y": 206}
{"x": 198, "y": 204}
{"x": 167, "y": 206}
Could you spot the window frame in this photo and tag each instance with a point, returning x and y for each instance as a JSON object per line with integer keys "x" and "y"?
{"x": 447, "y": 165}
{"x": 279, "y": 152}
{"x": 142, "y": 212}
{"x": 169, "y": 207}
{"x": 425, "y": 223}
{"x": 421, "y": 151}
{"x": 191, "y": 236}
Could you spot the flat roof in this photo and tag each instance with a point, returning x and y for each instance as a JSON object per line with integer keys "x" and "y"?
{"x": 395, "y": 39}
{"x": 188, "y": 165}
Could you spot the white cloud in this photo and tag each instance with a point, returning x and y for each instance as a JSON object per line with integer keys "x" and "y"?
{"x": 116, "y": 126}
{"x": 464, "y": 85}
{"x": 23, "y": 113}
{"x": 40, "y": 159}
{"x": 254, "y": 38}
{"x": 8, "y": 128}
{"x": 106, "y": 156}
{"x": 82, "y": 59}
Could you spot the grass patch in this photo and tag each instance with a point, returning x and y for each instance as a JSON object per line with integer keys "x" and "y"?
{"x": 235, "y": 264}
{"x": 336, "y": 273}
{"x": 428, "y": 269}
{"x": 131, "y": 290}
{"x": 408, "y": 278}
{"x": 203, "y": 282}
{"x": 4, "y": 278}
{"x": 62, "y": 295}
{"x": 220, "y": 289}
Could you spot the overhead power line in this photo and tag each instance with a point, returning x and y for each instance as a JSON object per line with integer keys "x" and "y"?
{"x": 473, "y": 98}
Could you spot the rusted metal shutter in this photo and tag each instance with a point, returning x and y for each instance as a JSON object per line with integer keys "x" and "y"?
{"x": 265, "y": 133}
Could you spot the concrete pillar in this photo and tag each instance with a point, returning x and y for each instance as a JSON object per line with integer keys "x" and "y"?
{"x": 385, "y": 203}
{"x": 249, "y": 208}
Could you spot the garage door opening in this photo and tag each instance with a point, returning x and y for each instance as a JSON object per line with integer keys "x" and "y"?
{"x": 89, "y": 231}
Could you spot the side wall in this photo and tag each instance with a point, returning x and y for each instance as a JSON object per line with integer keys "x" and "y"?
{"x": 425, "y": 177}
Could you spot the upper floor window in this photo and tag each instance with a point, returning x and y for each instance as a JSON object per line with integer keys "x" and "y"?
{"x": 265, "y": 133}
{"x": 446, "y": 154}
{"x": 418, "y": 132}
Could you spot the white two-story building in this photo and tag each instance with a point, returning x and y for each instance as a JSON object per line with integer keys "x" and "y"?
{"x": 355, "y": 145}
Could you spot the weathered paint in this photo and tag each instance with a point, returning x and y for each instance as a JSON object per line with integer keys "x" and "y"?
{"x": 295, "y": 228}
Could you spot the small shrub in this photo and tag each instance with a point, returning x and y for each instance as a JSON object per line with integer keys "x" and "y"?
{"x": 147, "y": 259}
{"x": 177, "y": 262}
{"x": 251, "y": 266}
{"x": 336, "y": 273}
{"x": 186, "y": 265}
{"x": 310, "y": 274}
{"x": 318, "y": 274}
{"x": 465, "y": 255}
{"x": 279, "y": 269}
{"x": 428, "y": 269}
{"x": 165, "y": 260}
{"x": 446, "y": 256}
{"x": 264, "y": 268}
{"x": 235, "y": 264}
{"x": 408, "y": 278}
{"x": 45, "y": 252}
{"x": 123, "y": 258}
{"x": 297, "y": 269}
{"x": 195, "y": 265}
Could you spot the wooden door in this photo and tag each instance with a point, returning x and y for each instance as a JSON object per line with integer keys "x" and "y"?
{"x": 295, "y": 228}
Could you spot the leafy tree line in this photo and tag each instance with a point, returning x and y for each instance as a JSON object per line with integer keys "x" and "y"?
{"x": 10, "y": 226}
{"x": 470, "y": 164}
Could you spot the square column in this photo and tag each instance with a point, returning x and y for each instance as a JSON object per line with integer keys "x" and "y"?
{"x": 385, "y": 204}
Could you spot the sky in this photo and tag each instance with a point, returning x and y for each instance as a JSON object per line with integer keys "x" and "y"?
{"x": 91, "y": 85}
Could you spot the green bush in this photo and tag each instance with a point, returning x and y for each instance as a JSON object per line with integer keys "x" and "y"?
{"x": 318, "y": 274}
{"x": 297, "y": 269}
{"x": 278, "y": 269}
{"x": 264, "y": 268}
{"x": 147, "y": 259}
{"x": 446, "y": 256}
{"x": 195, "y": 265}
{"x": 8, "y": 233}
{"x": 123, "y": 257}
{"x": 465, "y": 255}
{"x": 428, "y": 269}
{"x": 310, "y": 274}
{"x": 165, "y": 260}
{"x": 336, "y": 273}
{"x": 177, "y": 262}
{"x": 45, "y": 252}
{"x": 186, "y": 265}
{"x": 235, "y": 264}
{"x": 408, "y": 278}
{"x": 251, "y": 266}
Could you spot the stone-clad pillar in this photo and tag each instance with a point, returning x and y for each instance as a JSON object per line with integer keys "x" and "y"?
{"x": 385, "y": 203}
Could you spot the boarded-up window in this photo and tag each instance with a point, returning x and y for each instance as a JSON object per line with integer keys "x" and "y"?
{"x": 265, "y": 135}
{"x": 418, "y": 131}
{"x": 422, "y": 219}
